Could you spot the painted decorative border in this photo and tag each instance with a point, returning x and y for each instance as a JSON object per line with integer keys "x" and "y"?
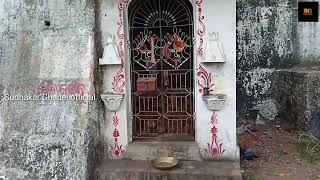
{"x": 207, "y": 79}
{"x": 214, "y": 149}
{"x": 202, "y": 29}
{"x": 118, "y": 84}
{"x": 120, "y": 31}
{"x": 116, "y": 149}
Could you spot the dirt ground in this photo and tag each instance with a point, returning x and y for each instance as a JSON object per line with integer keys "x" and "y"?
{"x": 279, "y": 156}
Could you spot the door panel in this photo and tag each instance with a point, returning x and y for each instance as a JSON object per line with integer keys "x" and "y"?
{"x": 162, "y": 69}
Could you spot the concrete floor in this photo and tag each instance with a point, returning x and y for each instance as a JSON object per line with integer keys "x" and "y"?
{"x": 187, "y": 170}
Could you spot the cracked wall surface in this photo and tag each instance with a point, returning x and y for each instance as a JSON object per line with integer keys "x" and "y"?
{"x": 271, "y": 43}
{"x": 266, "y": 42}
{"x": 47, "y": 139}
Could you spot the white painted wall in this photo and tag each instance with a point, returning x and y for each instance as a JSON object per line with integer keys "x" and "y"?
{"x": 220, "y": 16}
{"x": 109, "y": 18}
{"x": 309, "y": 41}
{"x": 308, "y": 34}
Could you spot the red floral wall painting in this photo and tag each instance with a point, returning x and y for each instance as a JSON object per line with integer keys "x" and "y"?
{"x": 206, "y": 79}
{"x": 118, "y": 84}
{"x": 215, "y": 148}
{"x": 116, "y": 150}
{"x": 202, "y": 29}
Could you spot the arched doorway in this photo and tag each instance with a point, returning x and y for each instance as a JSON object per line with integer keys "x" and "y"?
{"x": 162, "y": 69}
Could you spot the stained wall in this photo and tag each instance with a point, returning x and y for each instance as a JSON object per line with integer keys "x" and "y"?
{"x": 47, "y": 139}
{"x": 277, "y": 59}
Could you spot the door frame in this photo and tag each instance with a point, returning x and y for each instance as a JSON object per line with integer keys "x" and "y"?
{"x": 127, "y": 68}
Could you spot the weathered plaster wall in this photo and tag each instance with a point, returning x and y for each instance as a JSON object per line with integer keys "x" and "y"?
{"x": 277, "y": 64}
{"x": 266, "y": 42}
{"x": 309, "y": 42}
{"x": 298, "y": 91}
{"x": 308, "y": 34}
{"x": 47, "y": 139}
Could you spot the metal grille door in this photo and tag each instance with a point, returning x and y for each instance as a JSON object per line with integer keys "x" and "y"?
{"x": 161, "y": 42}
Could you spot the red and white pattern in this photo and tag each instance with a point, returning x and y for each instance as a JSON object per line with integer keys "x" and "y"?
{"x": 70, "y": 88}
{"x": 118, "y": 84}
{"x": 214, "y": 149}
{"x": 202, "y": 29}
{"x": 116, "y": 149}
{"x": 120, "y": 34}
{"x": 206, "y": 80}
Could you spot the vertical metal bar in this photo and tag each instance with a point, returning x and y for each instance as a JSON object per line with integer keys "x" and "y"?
{"x": 186, "y": 104}
{"x": 139, "y": 104}
{"x": 172, "y": 104}
{"x": 176, "y": 103}
{"x": 172, "y": 125}
{"x": 171, "y": 81}
{"x": 176, "y": 81}
{"x": 186, "y": 130}
{"x": 168, "y": 126}
{"x": 181, "y": 129}
{"x": 140, "y": 126}
{"x": 185, "y": 80}
{"x": 152, "y": 105}
{"x": 181, "y": 104}
{"x": 157, "y": 98}
{"x": 177, "y": 125}
{"x": 180, "y": 81}
{"x": 168, "y": 101}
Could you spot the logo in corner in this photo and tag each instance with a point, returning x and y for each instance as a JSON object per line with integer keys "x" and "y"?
{"x": 308, "y": 11}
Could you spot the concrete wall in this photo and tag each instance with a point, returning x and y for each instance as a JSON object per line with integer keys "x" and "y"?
{"x": 47, "y": 139}
{"x": 298, "y": 96}
{"x": 219, "y": 17}
{"x": 277, "y": 58}
{"x": 266, "y": 41}
{"x": 308, "y": 35}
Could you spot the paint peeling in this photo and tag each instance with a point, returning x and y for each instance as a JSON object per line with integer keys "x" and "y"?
{"x": 256, "y": 82}
{"x": 267, "y": 109}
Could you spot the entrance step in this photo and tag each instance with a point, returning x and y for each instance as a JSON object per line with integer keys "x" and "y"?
{"x": 150, "y": 150}
{"x": 187, "y": 170}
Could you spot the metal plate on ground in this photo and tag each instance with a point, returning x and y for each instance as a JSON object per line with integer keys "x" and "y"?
{"x": 165, "y": 163}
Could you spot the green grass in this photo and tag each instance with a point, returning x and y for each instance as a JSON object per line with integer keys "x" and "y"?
{"x": 309, "y": 147}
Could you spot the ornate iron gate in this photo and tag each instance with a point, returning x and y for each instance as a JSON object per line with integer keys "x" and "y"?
{"x": 161, "y": 37}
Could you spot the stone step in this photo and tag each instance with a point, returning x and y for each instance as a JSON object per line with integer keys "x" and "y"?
{"x": 184, "y": 150}
{"x": 187, "y": 170}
